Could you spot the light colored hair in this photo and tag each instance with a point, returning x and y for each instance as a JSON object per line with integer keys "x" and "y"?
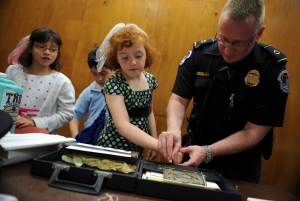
{"x": 240, "y": 10}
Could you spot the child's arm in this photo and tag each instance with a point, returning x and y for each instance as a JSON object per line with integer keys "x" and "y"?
{"x": 150, "y": 155}
{"x": 152, "y": 123}
{"x": 121, "y": 120}
{"x": 81, "y": 108}
{"x": 74, "y": 127}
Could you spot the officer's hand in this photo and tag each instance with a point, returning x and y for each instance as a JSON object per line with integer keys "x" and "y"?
{"x": 177, "y": 159}
{"x": 196, "y": 153}
{"x": 169, "y": 144}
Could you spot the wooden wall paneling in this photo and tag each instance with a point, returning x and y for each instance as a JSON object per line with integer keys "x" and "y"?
{"x": 177, "y": 33}
{"x": 173, "y": 25}
{"x": 282, "y": 32}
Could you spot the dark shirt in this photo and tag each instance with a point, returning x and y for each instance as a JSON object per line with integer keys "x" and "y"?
{"x": 255, "y": 90}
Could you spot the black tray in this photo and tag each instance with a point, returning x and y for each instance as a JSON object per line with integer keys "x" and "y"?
{"x": 83, "y": 179}
{"x": 184, "y": 192}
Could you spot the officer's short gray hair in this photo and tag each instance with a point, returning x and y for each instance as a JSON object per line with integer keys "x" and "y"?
{"x": 240, "y": 10}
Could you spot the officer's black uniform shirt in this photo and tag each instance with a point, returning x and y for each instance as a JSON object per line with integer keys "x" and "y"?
{"x": 255, "y": 90}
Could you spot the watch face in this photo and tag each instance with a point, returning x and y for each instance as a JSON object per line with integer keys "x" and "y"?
{"x": 6, "y": 123}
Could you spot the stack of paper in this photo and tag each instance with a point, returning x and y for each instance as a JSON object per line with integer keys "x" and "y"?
{"x": 16, "y": 148}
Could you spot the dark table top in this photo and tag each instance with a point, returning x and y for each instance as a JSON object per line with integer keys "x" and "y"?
{"x": 17, "y": 180}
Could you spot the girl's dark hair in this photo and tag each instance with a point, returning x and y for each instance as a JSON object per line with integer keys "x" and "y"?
{"x": 42, "y": 35}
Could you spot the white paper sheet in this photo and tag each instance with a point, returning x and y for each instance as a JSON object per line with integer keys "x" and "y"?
{"x": 15, "y": 148}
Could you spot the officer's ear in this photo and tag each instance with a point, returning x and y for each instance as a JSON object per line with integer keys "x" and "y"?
{"x": 260, "y": 32}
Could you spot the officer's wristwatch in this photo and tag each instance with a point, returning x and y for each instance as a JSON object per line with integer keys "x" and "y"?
{"x": 209, "y": 155}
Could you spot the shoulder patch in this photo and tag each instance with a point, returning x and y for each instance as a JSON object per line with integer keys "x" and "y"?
{"x": 197, "y": 46}
{"x": 278, "y": 56}
{"x": 203, "y": 43}
{"x": 284, "y": 81}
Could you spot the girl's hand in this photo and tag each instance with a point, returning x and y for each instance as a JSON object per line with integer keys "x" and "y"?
{"x": 151, "y": 155}
{"x": 24, "y": 122}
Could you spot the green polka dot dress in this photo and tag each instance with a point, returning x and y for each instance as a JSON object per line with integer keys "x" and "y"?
{"x": 134, "y": 100}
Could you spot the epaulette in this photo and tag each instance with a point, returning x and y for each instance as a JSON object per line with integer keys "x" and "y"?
{"x": 278, "y": 56}
{"x": 203, "y": 43}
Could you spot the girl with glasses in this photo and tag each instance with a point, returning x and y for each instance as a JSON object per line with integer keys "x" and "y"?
{"x": 48, "y": 97}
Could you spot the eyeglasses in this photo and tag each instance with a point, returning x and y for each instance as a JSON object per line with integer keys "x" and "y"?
{"x": 236, "y": 44}
{"x": 42, "y": 47}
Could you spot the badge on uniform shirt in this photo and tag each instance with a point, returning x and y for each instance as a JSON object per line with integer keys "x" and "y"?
{"x": 252, "y": 78}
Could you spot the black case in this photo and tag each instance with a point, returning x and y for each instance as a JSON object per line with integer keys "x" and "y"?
{"x": 83, "y": 179}
{"x": 90, "y": 180}
{"x": 184, "y": 192}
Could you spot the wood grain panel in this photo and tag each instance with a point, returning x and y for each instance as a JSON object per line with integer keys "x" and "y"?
{"x": 173, "y": 25}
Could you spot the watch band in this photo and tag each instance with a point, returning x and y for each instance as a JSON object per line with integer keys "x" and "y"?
{"x": 209, "y": 155}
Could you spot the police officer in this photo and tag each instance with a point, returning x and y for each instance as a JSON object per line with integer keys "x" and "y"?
{"x": 239, "y": 88}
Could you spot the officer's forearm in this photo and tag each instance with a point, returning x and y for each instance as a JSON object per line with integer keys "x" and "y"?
{"x": 240, "y": 141}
